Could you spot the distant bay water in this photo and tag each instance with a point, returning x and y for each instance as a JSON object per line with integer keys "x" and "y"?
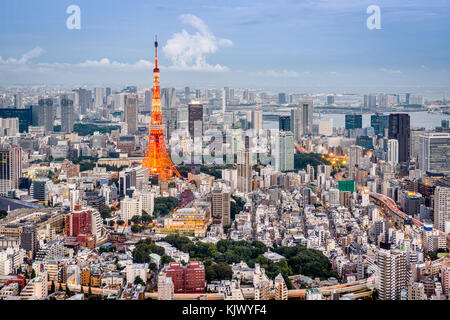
{"x": 420, "y": 119}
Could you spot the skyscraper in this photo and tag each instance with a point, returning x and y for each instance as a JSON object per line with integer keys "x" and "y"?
{"x": 354, "y": 160}
{"x": 434, "y": 152}
{"x": 10, "y": 168}
{"x": 285, "y": 123}
{"x": 370, "y": 101}
{"x": 168, "y": 97}
{"x": 148, "y": 100}
{"x": 244, "y": 168}
{"x": 380, "y": 123}
{"x": 131, "y": 113}
{"x": 18, "y": 102}
{"x": 187, "y": 94}
{"x": 353, "y": 121}
{"x": 282, "y": 98}
{"x": 43, "y": 114}
{"x": 67, "y": 115}
{"x": 286, "y": 155}
{"x": 392, "y": 152}
{"x": 195, "y": 115}
{"x": 257, "y": 120}
{"x": 84, "y": 100}
{"x": 29, "y": 240}
{"x": 399, "y": 129}
{"x": 330, "y": 100}
{"x": 98, "y": 97}
{"x": 442, "y": 209}
{"x": 302, "y": 118}
{"x": 220, "y": 205}
{"x": 24, "y": 116}
{"x": 392, "y": 272}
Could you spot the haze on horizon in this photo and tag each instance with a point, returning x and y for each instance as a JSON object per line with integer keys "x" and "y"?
{"x": 298, "y": 45}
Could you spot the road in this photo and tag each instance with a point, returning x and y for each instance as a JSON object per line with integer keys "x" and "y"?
{"x": 393, "y": 208}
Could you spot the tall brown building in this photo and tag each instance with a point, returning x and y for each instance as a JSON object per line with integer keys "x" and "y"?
{"x": 195, "y": 113}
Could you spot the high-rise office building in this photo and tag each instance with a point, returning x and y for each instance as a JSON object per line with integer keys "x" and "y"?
{"x": 9, "y": 127}
{"x": 187, "y": 94}
{"x": 407, "y": 98}
{"x": 379, "y": 123}
{"x": 370, "y": 101}
{"x": 399, "y": 129}
{"x": 392, "y": 152}
{"x": 282, "y": 98}
{"x": 195, "y": 119}
{"x": 148, "y": 100}
{"x": 286, "y": 155}
{"x": 67, "y": 115}
{"x": 10, "y": 168}
{"x": 354, "y": 160}
{"x": 29, "y": 240}
{"x": 284, "y": 123}
{"x": 353, "y": 121}
{"x": 244, "y": 168}
{"x": 434, "y": 152}
{"x": 220, "y": 205}
{"x": 43, "y": 114}
{"x": 392, "y": 273}
{"x": 131, "y": 113}
{"x": 84, "y": 100}
{"x": 24, "y": 116}
{"x": 330, "y": 100}
{"x": 302, "y": 118}
{"x": 98, "y": 97}
{"x": 18, "y": 101}
{"x": 133, "y": 178}
{"x": 257, "y": 120}
{"x": 442, "y": 209}
{"x": 39, "y": 190}
{"x": 168, "y": 98}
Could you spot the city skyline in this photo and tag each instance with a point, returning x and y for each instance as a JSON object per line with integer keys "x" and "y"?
{"x": 328, "y": 45}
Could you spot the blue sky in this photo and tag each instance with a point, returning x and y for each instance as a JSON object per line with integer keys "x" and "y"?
{"x": 292, "y": 44}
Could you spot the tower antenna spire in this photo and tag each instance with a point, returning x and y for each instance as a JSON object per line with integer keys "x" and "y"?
{"x": 156, "y": 51}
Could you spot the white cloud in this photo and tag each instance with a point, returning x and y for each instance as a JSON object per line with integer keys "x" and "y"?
{"x": 390, "y": 71}
{"x": 36, "y": 52}
{"x": 188, "y": 51}
{"x": 279, "y": 73}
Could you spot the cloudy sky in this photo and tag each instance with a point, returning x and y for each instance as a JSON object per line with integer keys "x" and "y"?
{"x": 292, "y": 44}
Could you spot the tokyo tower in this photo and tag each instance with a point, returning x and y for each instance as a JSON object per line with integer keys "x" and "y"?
{"x": 157, "y": 159}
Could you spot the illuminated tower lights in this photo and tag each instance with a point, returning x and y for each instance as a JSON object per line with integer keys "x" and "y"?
{"x": 157, "y": 159}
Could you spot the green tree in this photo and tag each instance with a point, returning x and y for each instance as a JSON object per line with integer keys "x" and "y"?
{"x": 120, "y": 222}
{"x": 60, "y": 288}
{"x": 33, "y": 274}
{"x": 136, "y": 219}
{"x": 68, "y": 292}
{"x": 52, "y": 287}
{"x": 138, "y": 280}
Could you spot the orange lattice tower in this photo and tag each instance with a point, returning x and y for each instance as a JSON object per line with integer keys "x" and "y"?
{"x": 157, "y": 159}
